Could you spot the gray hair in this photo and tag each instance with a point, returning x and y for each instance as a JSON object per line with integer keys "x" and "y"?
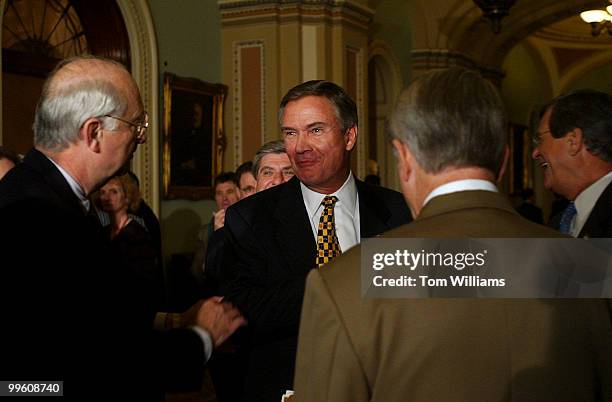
{"x": 63, "y": 109}
{"x": 272, "y": 147}
{"x": 346, "y": 109}
{"x": 451, "y": 118}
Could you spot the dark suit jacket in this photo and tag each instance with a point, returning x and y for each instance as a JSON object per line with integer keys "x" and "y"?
{"x": 269, "y": 251}
{"x": 75, "y": 311}
{"x": 357, "y": 349}
{"x": 599, "y": 222}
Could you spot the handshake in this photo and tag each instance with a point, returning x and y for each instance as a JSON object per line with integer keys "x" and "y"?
{"x": 218, "y": 317}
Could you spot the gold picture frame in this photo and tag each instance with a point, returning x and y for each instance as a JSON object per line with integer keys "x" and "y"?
{"x": 194, "y": 138}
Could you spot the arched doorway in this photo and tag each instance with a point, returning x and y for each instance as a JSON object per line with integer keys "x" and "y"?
{"x": 138, "y": 50}
{"x": 384, "y": 85}
{"x": 36, "y": 34}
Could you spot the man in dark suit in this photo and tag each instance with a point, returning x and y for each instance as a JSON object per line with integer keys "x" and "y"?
{"x": 272, "y": 236}
{"x": 75, "y": 312}
{"x": 574, "y": 147}
{"x": 449, "y": 137}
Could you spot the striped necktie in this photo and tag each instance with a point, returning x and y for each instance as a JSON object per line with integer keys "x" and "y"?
{"x": 328, "y": 246}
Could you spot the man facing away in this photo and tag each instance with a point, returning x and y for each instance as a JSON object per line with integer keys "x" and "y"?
{"x": 574, "y": 147}
{"x": 449, "y": 138}
{"x": 75, "y": 317}
{"x": 275, "y": 237}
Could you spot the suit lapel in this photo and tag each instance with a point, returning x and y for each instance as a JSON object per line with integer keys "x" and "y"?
{"x": 292, "y": 228}
{"x": 601, "y": 213}
{"x": 373, "y": 213}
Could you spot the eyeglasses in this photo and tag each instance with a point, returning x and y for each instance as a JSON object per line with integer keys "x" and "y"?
{"x": 537, "y": 138}
{"x": 141, "y": 127}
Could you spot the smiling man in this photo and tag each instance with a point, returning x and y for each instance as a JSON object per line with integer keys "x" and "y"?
{"x": 448, "y": 132}
{"x": 574, "y": 147}
{"x": 271, "y": 165}
{"x": 275, "y": 237}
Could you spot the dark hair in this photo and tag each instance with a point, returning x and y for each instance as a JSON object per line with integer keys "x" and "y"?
{"x": 527, "y": 193}
{"x": 451, "y": 118}
{"x": 372, "y": 179}
{"x": 224, "y": 177}
{"x": 242, "y": 169}
{"x": 10, "y": 155}
{"x": 346, "y": 110}
{"x": 588, "y": 110}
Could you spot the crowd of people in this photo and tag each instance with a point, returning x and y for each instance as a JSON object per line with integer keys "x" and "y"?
{"x": 279, "y": 305}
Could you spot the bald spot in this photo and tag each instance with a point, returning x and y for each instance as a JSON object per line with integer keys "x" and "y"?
{"x": 81, "y": 70}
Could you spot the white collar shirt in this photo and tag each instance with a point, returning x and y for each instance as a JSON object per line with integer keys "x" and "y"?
{"x": 461, "y": 185}
{"x": 74, "y": 186}
{"x": 346, "y": 212}
{"x": 585, "y": 202}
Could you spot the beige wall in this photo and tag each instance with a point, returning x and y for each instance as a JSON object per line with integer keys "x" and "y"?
{"x": 188, "y": 37}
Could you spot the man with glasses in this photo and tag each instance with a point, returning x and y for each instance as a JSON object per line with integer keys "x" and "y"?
{"x": 574, "y": 147}
{"x": 75, "y": 312}
{"x": 140, "y": 126}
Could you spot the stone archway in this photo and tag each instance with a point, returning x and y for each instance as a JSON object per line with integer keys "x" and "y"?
{"x": 384, "y": 85}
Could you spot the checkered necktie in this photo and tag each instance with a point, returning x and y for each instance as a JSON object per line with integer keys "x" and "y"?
{"x": 566, "y": 218}
{"x": 328, "y": 246}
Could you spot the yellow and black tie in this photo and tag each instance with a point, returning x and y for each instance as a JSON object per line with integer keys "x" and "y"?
{"x": 328, "y": 246}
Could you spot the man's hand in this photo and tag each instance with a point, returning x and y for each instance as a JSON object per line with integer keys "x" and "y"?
{"x": 219, "y": 318}
{"x": 219, "y": 219}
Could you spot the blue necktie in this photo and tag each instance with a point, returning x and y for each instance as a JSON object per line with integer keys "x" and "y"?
{"x": 566, "y": 218}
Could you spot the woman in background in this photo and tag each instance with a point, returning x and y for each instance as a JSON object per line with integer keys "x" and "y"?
{"x": 132, "y": 242}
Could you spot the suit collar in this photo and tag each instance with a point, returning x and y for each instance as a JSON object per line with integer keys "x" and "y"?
{"x": 373, "y": 213}
{"x": 347, "y": 197}
{"x": 601, "y": 212}
{"x": 40, "y": 164}
{"x": 585, "y": 201}
{"x": 466, "y": 200}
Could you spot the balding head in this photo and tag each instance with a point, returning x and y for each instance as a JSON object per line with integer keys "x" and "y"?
{"x": 77, "y": 89}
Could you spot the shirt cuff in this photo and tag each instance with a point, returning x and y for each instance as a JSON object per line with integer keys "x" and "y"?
{"x": 207, "y": 340}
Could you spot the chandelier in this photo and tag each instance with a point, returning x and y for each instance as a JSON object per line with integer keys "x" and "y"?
{"x": 495, "y": 10}
{"x": 600, "y": 20}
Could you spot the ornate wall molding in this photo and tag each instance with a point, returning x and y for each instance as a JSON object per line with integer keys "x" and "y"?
{"x": 145, "y": 70}
{"x": 349, "y": 12}
{"x": 237, "y": 95}
{"x": 360, "y": 100}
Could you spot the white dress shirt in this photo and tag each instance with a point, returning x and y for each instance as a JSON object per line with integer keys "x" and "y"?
{"x": 346, "y": 212}
{"x": 461, "y": 185}
{"x": 585, "y": 202}
{"x": 74, "y": 186}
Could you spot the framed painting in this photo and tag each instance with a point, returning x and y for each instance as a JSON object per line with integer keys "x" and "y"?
{"x": 194, "y": 140}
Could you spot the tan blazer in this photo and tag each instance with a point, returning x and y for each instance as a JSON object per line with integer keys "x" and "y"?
{"x": 355, "y": 349}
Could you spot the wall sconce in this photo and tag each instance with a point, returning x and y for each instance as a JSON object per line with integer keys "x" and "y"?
{"x": 600, "y": 20}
